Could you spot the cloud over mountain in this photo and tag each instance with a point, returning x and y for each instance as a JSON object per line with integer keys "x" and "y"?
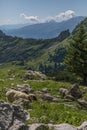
{"x": 65, "y": 15}
{"x": 60, "y": 17}
{"x": 31, "y": 18}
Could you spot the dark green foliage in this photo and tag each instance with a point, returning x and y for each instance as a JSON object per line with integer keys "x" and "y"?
{"x": 58, "y": 56}
{"x": 65, "y": 76}
{"x": 63, "y": 35}
{"x": 83, "y": 23}
{"x": 76, "y": 60}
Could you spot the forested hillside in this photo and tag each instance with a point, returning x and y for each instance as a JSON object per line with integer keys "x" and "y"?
{"x": 39, "y": 54}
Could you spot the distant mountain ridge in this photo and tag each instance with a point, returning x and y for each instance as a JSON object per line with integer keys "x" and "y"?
{"x": 45, "y": 30}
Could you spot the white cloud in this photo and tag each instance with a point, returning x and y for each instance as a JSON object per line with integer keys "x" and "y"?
{"x": 30, "y": 18}
{"x": 60, "y": 17}
{"x": 65, "y": 15}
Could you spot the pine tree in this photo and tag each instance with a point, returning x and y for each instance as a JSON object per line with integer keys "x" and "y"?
{"x": 76, "y": 59}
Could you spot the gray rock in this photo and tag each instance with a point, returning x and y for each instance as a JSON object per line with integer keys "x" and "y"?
{"x": 24, "y": 88}
{"x": 34, "y": 75}
{"x": 44, "y": 90}
{"x": 75, "y": 91}
{"x": 18, "y": 125}
{"x": 38, "y": 127}
{"x": 12, "y": 117}
{"x": 56, "y": 100}
{"x": 64, "y": 127}
{"x": 63, "y": 91}
{"x": 47, "y": 97}
{"x": 51, "y": 127}
{"x": 82, "y": 102}
{"x": 20, "y": 113}
{"x": 23, "y": 102}
{"x": 83, "y": 126}
{"x": 6, "y": 115}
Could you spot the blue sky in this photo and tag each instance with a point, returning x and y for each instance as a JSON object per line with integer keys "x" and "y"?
{"x": 34, "y": 11}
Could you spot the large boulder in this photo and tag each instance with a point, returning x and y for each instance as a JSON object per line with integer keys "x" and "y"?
{"x": 74, "y": 91}
{"x": 12, "y": 117}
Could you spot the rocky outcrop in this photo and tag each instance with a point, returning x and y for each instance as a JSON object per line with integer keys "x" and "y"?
{"x": 12, "y": 117}
{"x": 73, "y": 92}
{"x": 26, "y": 88}
{"x": 34, "y": 75}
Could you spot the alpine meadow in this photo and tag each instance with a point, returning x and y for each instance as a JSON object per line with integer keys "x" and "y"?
{"x": 43, "y": 65}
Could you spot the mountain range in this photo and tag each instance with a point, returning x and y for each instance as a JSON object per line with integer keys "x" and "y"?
{"x": 46, "y": 55}
{"x": 45, "y": 30}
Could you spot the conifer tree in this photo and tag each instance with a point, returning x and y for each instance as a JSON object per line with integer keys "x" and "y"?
{"x": 76, "y": 59}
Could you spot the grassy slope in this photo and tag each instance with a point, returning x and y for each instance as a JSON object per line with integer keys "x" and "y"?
{"x": 43, "y": 111}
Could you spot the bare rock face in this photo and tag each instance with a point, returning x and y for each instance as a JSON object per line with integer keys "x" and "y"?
{"x": 12, "y": 117}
